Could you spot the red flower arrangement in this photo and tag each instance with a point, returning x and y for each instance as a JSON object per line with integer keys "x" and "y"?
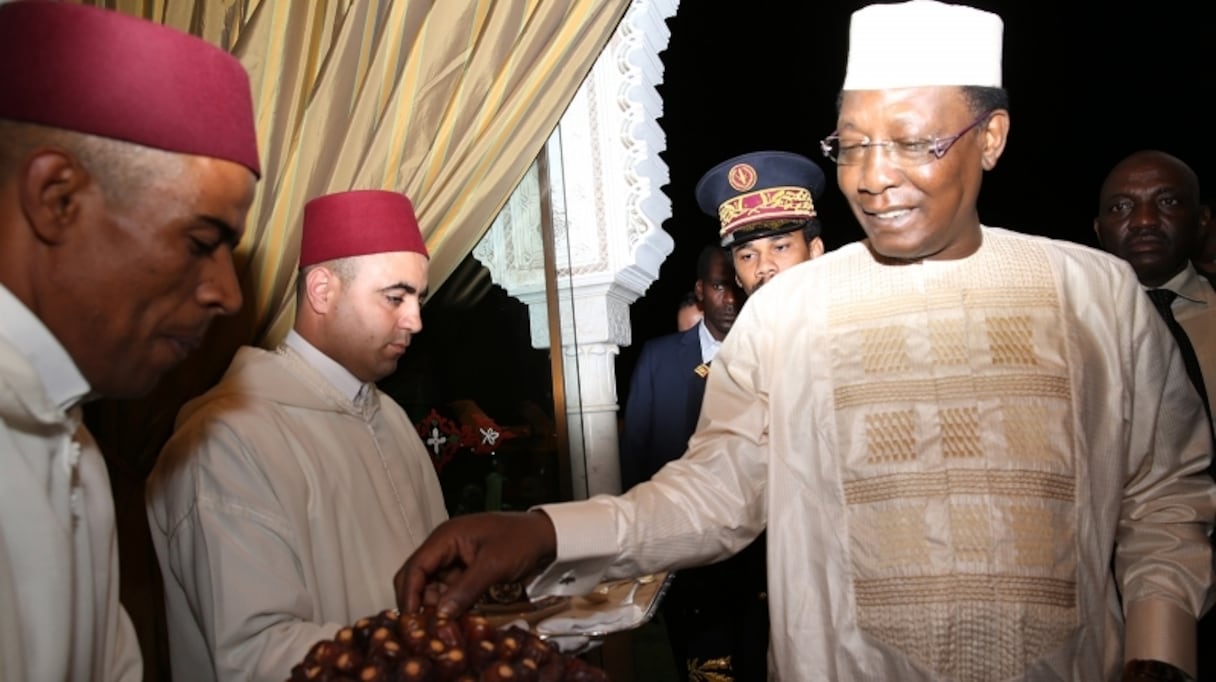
{"x": 441, "y": 436}
{"x": 444, "y": 438}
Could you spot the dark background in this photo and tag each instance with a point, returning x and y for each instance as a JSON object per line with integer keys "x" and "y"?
{"x": 1089, "y": 82}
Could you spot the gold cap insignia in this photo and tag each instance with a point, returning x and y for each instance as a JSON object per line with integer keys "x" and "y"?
{"x": 742, "y": 177}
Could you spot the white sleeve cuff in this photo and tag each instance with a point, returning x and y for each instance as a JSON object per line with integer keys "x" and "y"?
{"x": 586, "y": 547}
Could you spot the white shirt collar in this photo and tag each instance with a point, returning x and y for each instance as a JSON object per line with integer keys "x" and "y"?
{"x": 709, "y": 345}
{"x": 1188, "y": 284}
{"x": 64, "y": 383}
{"x": 348, "y": 384}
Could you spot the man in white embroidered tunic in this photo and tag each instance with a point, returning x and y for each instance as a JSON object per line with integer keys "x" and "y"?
{"x": 949, "y": 430}
{"x": 280, "y": 506}
{"x": 128, "y": 163}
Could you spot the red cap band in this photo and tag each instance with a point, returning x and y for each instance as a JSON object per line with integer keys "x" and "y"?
{"x": 104, "y": 73}
{"x": 358, "y": 223}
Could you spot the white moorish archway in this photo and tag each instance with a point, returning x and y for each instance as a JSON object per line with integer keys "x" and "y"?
{"x": 608, "y": 210}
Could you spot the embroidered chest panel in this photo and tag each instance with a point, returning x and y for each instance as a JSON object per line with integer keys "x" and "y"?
{"x": 954, "y": 415}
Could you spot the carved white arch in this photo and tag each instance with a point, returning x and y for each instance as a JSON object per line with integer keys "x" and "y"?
{"x": 606, "y": 179}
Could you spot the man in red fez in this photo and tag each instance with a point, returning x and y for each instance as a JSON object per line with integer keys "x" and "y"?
{"x": 128, "y": 162}
{"x": 280, "y": 506}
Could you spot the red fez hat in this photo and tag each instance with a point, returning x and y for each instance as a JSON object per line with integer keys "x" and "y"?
{"x": 103, "y": 73}
{"x": 358, "y": 223}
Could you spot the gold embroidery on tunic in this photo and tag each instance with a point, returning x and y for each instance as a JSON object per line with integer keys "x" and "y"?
{"x": 902, "y": 538}
{"x": 947, "y": 300}
{"x": 883, "y": 350}
{"x": 956, "y": 587}
{"x": 1014, "y": 483}
{"x": 1011, "y": 340}
{"x": 954, "y": 410}
{"x": 971, "y": 530}
{"x": 1034, "y": 538}
{"x": 1025, "y": 429}
{"x": 891, "y": 436}
{"x": 948, "y": 341}
{"x": 953, "y": 388}
{"x": 961, "y": 432}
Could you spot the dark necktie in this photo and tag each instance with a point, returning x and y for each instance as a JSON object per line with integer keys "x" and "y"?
{"x": 1162, "y": 298}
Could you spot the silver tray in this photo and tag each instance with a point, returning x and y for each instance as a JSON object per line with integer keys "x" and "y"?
{"x": 639, "y": 597}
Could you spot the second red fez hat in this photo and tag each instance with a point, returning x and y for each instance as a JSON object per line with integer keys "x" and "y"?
{"x": 103, "y": 73}
{"x": 358, "y": 223}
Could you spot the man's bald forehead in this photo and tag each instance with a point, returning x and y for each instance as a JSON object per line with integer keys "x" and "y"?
{"x": 1151, "y": 160}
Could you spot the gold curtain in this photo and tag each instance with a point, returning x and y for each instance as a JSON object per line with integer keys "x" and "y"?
{"x": 448, "y": 101}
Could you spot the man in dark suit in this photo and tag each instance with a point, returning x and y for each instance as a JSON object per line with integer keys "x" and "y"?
{"x": 669, "y": 379}
{"x": 1150, "y": 215}
{"x": 661, "y": 413}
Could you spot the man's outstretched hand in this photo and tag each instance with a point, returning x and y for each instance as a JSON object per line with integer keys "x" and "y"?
{"x": 464, "y": 556}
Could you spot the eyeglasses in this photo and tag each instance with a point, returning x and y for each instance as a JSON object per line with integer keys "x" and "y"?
{"x": 903, "y": 153}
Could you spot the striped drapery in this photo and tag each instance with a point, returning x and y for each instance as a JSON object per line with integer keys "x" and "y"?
{"x": 446, "y": 101}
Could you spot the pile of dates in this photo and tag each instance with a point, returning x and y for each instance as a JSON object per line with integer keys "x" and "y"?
{"x": 392, "y": 647}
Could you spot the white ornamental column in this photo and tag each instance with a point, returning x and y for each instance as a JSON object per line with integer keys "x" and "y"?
{"x": 608, "y": 208}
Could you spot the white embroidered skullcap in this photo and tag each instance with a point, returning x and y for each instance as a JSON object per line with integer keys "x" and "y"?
{"x": 923, "y": 43}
